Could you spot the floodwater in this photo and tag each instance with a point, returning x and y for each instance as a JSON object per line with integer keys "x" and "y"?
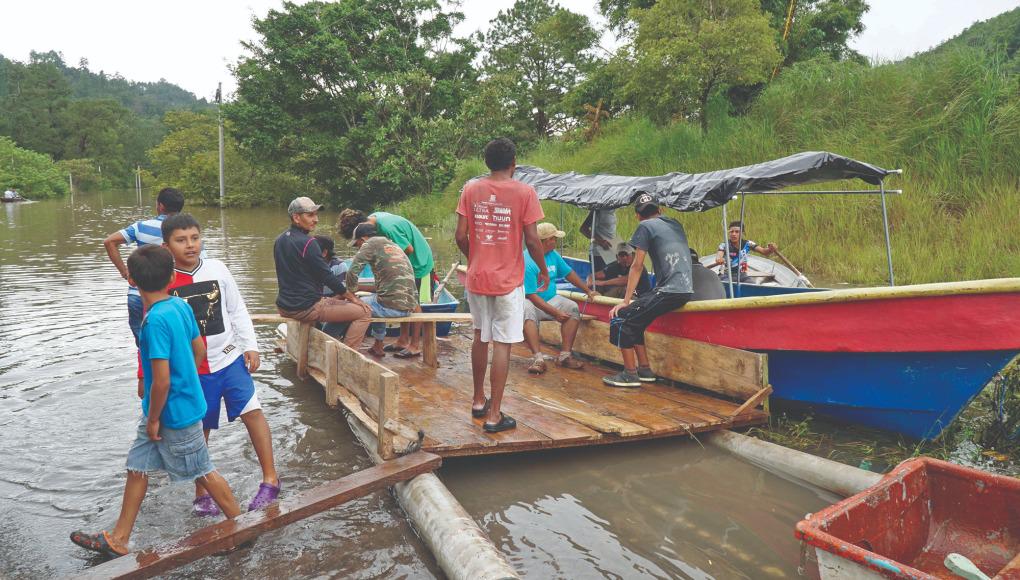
{"x": 660, "y": 509}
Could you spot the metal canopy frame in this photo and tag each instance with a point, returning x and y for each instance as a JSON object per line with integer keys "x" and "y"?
{"x": 882, "y": 191}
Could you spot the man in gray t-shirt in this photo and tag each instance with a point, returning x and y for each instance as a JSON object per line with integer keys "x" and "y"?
{"x": 665, "y": 241}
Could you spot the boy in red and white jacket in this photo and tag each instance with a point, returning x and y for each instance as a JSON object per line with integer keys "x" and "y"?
{"x": 231, "y": 350}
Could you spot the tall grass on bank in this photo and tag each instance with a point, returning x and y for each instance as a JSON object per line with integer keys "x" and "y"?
{"x": 951, "y": 122}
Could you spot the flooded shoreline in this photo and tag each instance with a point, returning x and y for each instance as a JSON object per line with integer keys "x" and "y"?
{"x": 67, "y": 407}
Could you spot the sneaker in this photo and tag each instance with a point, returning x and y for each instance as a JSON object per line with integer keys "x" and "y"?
{"x": 205, "y": 506}
{"x": 537, "y": 366}
{"x": 646, "y": 375}
{"x": 266, "y": 495}
{"x": 570, "y": 362}
{"x": 622, "y": 379}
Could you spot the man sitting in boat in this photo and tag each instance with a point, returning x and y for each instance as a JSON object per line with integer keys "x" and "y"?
{"x": 548, "y": 305}
{"x": 738, "y": 249}
{"x": 11, "y": 194}
{"x": 612, "y": 280}
{"x": 395, "y": 293}
{"x": 663, "y": 239}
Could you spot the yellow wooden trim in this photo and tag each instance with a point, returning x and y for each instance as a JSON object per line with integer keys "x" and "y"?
{"x": 974, "y": 287}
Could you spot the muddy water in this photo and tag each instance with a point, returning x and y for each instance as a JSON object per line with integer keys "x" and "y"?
{"x": 67, "y": 409}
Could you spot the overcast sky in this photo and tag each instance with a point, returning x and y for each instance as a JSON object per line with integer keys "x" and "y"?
{"x": 191, "y": 42}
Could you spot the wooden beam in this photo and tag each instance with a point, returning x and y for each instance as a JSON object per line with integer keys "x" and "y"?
{"x": 388, "y": 412}
{"x": 728, "y": 371}
{"x": 230, "y": 534}
{"x": 428, "y": 317}
{"x": 429, "y": 348}
{"x": 268, "y": 318}
{"x": 300, "y": 352}
{"x": 332, "y": 371}
{"x": 753, "y": 402}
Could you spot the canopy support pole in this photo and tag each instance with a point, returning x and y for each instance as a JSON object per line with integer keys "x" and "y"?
{"x": 740, "y": 240}
{"x": 885, "y": 223}
{"x": 591, "y": 246}
{"x": 726, "y": 252}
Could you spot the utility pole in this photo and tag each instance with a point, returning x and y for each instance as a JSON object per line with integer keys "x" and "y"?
{"x": 219, "y": 111}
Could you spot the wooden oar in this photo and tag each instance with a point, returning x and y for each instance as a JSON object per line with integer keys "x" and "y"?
{"x": 442, "y": 284}
{"x": 790, "y": 265}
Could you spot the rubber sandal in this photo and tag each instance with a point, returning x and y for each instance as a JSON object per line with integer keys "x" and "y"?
{"x": 407, "y": 354}
{"x": 205, "y": 506}
{"x": 100, "y": 542}
{"x": 506, "y": 422}
{"x": 266, "y": 495}
{"x": 392, "y": 347}
{"x": 377, "y": 355}
{"x": 480, "y": 413}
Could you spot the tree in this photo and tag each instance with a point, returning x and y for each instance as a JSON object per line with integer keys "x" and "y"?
{"x": 687, "y": 50}
{"x": 817, "y": 28}
{"x": 94, "y": 129}
{"x": 359, "y": 95}
{"x": 539, "y": 51}
{"x": 37, "y": 94}
{"x": 33, "y": 174}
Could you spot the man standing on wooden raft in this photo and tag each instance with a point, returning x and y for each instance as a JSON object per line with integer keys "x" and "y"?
{"x": 665, "y": 241}
{"x": 495, "y": 214}
{"x": 301, "y": 273}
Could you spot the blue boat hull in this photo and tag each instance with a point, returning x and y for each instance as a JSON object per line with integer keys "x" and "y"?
{"x": 917, "y": 394}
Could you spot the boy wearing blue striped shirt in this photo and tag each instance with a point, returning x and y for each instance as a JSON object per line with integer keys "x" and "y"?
{"x": 169, "y": 202}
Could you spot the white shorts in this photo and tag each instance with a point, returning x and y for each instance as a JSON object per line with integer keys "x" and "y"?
{"x": 532, "y": 313}
{"x": 499, "y": 318}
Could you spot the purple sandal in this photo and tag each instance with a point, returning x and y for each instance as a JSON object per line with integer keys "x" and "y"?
{"x": 266, "y": 495}
{"x": 205, "y": 506}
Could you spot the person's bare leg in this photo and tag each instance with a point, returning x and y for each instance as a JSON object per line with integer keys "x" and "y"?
{"x": 629, "y": 359}
{"x": 199, "y": 490}
{"x": 134, "y": 492}
{"x": 261, "y": 439}
{"x": 568, "y": 330}
{"x": 642, "y": 355}
{"x": 531, "y": 337}
{"x": 221, "y": 494}
{"x": 405, "y": 336}
{"x": 497, "y": 378}
{"x": 479, "y": 362}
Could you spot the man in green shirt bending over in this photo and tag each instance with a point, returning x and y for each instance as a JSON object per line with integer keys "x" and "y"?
{"x": 408, "y": 237}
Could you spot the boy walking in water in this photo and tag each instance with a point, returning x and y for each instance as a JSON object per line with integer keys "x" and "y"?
{"x": 665, "y": 241}
{"x": 232, "y": 351}
{"x": 495, "y": 214}
{"x": 169, "y": 436}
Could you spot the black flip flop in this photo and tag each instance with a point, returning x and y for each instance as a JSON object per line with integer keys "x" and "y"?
{"x": 506, "y": 422}
{"x": 392, "y": 347}
{"x": 406, "y": 353}
{"x": 479, "y": 413}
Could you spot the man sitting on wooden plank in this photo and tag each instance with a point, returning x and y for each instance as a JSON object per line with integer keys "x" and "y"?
{"x": 665, "y": 241}
{"x": 395, "y": 293}
{"x": 548, "y": 305}
{"x": 301, "y": 272}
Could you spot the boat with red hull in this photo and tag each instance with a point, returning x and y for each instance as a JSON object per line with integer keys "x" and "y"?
{"x": 906, "y": 358}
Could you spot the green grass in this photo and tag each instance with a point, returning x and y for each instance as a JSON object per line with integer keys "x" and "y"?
{"x": 951, "y": 122}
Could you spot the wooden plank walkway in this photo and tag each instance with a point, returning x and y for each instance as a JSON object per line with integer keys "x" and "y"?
{"x": 230, "y": 534}
{"x": 562, "y": 408}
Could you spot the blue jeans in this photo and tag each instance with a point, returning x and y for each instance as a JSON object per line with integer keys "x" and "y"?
{"x": 378, "y": 329}
{"x": 135, "y": 314}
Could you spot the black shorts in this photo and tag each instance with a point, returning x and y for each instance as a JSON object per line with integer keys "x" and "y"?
{"x": 628, "y": 328}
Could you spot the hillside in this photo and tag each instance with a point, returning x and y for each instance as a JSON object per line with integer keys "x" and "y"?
{"x": 999, "y": 34}
{"x": 950, "y": 120}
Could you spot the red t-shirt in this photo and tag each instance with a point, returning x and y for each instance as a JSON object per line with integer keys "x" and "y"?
{"x": 496, "y": 212}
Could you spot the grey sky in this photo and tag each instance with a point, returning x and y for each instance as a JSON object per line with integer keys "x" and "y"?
{"x": 191, "y": 42}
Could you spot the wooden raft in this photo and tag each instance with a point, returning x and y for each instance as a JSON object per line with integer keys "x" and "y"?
{"x": 562, "y": 408}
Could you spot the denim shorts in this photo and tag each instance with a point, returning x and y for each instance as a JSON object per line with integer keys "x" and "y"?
{"x": 182, "y": 453}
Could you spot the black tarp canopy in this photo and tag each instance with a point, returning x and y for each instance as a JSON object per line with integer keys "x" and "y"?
{"x": 697, "y": 191}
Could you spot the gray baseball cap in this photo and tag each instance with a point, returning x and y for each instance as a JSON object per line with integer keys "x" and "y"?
{"x": 303, "y": 205}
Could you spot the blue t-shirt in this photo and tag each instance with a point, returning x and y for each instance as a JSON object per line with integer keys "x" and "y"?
{"x": 167, "y": 331}
{"x": 558, "y": 269}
